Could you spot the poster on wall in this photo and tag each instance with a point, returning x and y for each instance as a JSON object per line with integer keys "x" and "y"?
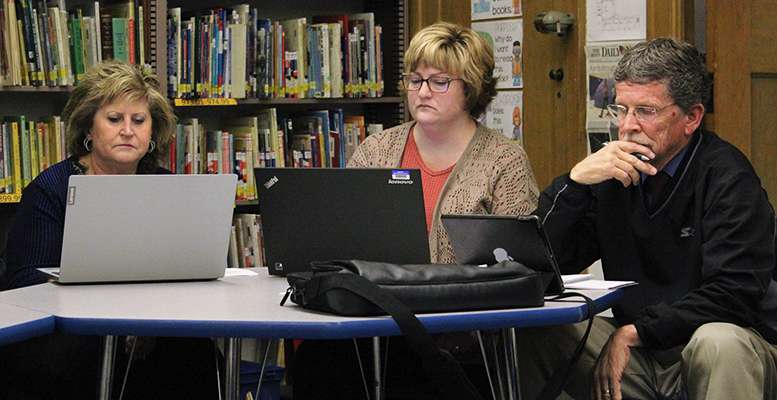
{"x": 505, "y": 114}
{"x": 616, "y": 20}
{"x": 505, "y": 37}
{"x": 601, "y": 59}
{"x": 598, "y": 139}
{"x": 484, "y": 9}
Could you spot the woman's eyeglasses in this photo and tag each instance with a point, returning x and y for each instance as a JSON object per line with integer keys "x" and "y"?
{"x": 437, "y": 84}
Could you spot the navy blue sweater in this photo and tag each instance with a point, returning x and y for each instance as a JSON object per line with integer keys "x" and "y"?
{"x": 35, "y": 237}
{"x": 707, "y": 254}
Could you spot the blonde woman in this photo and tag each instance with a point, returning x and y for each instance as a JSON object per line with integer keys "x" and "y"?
{"x": 466, "y": 168}
{"x": 118, "y": 122}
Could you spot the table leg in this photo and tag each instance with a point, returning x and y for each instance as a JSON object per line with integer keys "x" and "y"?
{"x": 232, "y": 374}
{"x": 498, "y": 370}
{"x": 510, "y": 346}
{"x": 377, "y": 371}
{"x": 106, "y": 379}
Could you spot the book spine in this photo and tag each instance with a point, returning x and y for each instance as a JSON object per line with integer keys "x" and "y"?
{"x": 25, "y": 139}
{"x": 131, "y": 56}
{"x": 98, "y": 31}
{"x": 4, "y": 155}
{"x": 106, "y": 35}
{"x": 141, "y": 58}
{"x": 18, "y": 182}
{"x": 120, "y": 39}
{"x": 34, "y": 157}
{"x": 77, "y": 50}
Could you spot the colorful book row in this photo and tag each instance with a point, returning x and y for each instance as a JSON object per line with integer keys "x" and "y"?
{"x": 233, "y": 53}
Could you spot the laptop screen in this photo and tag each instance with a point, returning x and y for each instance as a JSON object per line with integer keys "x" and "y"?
{"x": 320, "y": 214}
{"x": 488, "y": 239}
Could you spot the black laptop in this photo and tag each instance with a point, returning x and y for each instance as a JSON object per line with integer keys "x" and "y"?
{"x": 488, "y": 239}
{"x": 319, "y": 214}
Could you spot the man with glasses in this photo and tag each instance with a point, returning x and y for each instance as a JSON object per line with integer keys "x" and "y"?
{"x": 680, "y": 211}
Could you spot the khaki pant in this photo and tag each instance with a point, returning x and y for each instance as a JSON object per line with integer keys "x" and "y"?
{"x": 721, "y": 361}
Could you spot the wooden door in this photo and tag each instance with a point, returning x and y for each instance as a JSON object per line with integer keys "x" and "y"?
{"x": 554, "y": 111}
{"x": 742, "y": 54}
{"x": 426, "y": 12}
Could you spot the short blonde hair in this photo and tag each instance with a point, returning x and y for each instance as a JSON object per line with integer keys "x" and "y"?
{"x": 457, "y": 50}
{"x": 107, "y": 82}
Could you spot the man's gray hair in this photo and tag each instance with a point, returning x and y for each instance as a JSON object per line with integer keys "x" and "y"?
{"x": 676, "y": 63}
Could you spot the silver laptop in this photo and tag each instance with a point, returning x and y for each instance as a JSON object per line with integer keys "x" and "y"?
{"x": 121, "y": 228}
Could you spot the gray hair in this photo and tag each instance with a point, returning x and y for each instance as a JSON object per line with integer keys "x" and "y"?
{"x": 676, "y": 63}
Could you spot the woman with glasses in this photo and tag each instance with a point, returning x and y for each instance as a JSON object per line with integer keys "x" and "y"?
{"x": 466, "y": 168}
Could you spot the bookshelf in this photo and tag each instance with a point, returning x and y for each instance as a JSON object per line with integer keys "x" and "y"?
{"x": 22, "y": 95}
{"x": 41, "y": 101}
{"x": 388, "y": 109}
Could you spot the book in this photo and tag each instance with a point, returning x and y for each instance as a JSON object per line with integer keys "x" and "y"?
{"x": 16, "y": 152}
{"x": 120, "y": 27}
{"x": 339, "y": 54}
{"x": 237, "y": 62}
{"x": 295, "y": 55}
{"x": 366, "y": 24}
{"x": 174, "y": 52}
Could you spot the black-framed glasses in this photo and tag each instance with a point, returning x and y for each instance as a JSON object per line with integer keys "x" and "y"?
{"x": 437, "y": 84}
{"x": 648, "y": 114}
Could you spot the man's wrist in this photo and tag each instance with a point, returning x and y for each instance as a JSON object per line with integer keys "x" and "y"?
{"x": 572, "y": 182}
{"x": 628, "y": 335}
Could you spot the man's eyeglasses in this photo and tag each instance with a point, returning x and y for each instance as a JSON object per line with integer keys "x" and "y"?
{"x": 618, "y": 113}
{"x": 437, "y": 84}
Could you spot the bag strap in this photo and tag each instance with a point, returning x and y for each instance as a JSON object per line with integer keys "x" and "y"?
{"x": 444, "y": 371}
{"x": 560, "y": 377}
{"x": 440, "y": 366}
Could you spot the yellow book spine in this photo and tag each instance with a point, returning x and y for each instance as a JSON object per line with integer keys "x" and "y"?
{"x": 34, "y": 161}
{"x": 280, "y": 160}
{"x": 23, "y": 51}
{"x": 17, "y": 158}
{"x": 321, "y": 151}
{"x": 56, "y": 144}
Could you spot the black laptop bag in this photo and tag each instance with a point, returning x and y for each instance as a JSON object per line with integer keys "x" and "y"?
{"x": 366, "y": 288}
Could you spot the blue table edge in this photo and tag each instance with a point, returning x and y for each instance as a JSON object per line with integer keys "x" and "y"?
{"x": 26, "y": 330}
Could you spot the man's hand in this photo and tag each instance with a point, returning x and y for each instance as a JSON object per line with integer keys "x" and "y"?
{"x": 611, "y": 363}
{"x": 615, "y": 160}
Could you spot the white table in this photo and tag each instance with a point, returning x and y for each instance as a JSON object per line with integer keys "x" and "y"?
{"x": 247, "y": 306}
{"x": 17, "y": 324}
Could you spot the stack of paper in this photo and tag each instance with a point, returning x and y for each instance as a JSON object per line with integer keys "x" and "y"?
{"x": 586, "y": 282}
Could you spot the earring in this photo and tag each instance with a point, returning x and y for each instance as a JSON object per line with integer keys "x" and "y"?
{"x": 88, "y": 144}
{"x": 152, "y": 147}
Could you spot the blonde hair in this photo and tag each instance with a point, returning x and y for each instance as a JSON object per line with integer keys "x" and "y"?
{"x": 457, "y": 50}
{"x": 104, "y": 84}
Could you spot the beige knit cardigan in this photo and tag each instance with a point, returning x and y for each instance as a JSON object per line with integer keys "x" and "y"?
{"x": 493, "y": 176}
